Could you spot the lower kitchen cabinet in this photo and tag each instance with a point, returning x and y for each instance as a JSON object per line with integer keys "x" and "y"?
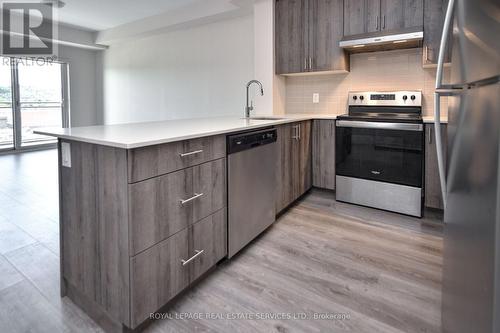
{"x": 433, "y": 196}
{"x": 164, "y": 270}
{"x": 129, "y": 245}
{"x": 323, "y": 154}
{"x": 294, "y": 166}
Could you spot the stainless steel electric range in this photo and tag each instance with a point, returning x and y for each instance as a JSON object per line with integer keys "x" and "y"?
{"x": 380, "y": 151}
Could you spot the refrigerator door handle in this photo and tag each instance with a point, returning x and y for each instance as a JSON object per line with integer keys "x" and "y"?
{"x": 437, "y": 100}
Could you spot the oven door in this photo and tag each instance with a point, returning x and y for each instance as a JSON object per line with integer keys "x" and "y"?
{"x": 380, "y": 151}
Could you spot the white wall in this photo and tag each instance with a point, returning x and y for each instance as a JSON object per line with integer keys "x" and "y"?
{"x": 196, "y": 72}
{"x": 85, "y": 87}
{"x": 273, "y": 101}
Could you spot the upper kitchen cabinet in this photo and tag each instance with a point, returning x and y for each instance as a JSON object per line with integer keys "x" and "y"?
{"x": 401, "y": 14}
{"x": 325, "y": 27}
{"x": 366, "y": 16}
{"x": 361, "y": 16}
{"x": 434, "y": 13}
{"x": 290, "y": 39}
{"x": 307, "y": 36}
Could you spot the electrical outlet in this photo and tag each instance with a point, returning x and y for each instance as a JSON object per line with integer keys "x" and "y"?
{"x": 66, "y": 154}
{"x": 315, "y": 98}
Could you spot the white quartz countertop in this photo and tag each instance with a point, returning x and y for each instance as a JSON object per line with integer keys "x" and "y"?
{"x": 135, "y": 135}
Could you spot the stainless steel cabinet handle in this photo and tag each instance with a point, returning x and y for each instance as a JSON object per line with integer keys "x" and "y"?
{"x": 196, "y": 196}
{"x": 198, "y": 253}
{"x": 191, "y": 153}
{"x": 310, "y": 63}
{"x": 299, "y": 130}
{"x": 376, "y": 22}
{"x": 295, "y": 135}
{"x": 384, "y": 24}
{"x": 375, "y": 172}
{"x": 305, "y": 63}
{"x": 429, "y": 134}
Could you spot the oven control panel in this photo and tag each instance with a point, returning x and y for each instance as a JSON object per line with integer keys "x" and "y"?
{"x": 386, "y": 98}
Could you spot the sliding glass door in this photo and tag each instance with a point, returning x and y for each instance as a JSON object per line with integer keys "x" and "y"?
{"x": 31, "y": 96}
{"x": 40, "y": 97}
{"x": 6, "y": 111}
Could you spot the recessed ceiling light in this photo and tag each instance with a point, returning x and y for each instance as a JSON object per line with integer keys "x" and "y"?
{"x": 356, "y": 46}
{"x": 400, "y": 41}
{"x": 54, "y": 3}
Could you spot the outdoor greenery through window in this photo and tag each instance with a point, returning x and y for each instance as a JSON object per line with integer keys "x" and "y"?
{"x": 31, "y": 97}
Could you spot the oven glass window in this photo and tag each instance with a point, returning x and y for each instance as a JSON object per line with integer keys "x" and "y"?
{"x": 392, "y": 156}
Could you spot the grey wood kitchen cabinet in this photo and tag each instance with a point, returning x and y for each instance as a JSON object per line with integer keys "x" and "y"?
{"x": 161, "y": 272}
{"x": 361, "y": 16}
{"x": 139, "y": 225}
{"x": 304, "y": 174}
{"x": 294, "y": 165}
{"x": 323, "y": 154}
{"x": 366, "y": 16}
{"x": 434, "y": 14}
{"x": 307, "y": 34}
{"x": 325, "y": 30}
{"x": 401, "y": 14}
{"x": 290, "y": 36}
{"x": 433, "y": 197}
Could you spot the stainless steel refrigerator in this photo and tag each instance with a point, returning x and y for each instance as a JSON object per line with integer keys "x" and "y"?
{"x": 470, "y": 180}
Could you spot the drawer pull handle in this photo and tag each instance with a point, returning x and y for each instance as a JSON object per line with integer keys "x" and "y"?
{"x": 191, "y": 153}
{"x": 376, "y": 172}
{"x": 196, "y": 196}
{"x": 198, "y": 253}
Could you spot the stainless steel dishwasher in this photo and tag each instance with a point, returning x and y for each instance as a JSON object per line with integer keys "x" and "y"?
{"x": 251, "y": 186}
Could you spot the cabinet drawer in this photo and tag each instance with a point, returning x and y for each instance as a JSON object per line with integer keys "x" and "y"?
{"x": 209, "y": 235}
{"x": 157, "y": 275}
{"x": 161, "y": 272}
{"x": 152, "y": 161}
{"x": 162, "y": 206}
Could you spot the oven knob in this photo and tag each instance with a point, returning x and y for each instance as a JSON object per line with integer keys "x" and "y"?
{"x": 361, "y": 97}
{"x": 412, "y": 97}
{"x": 405, "y": 98}
{"x": 354, "y": 97}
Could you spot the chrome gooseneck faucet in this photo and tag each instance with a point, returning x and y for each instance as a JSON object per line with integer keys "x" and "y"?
{"x": 249, "y": 106}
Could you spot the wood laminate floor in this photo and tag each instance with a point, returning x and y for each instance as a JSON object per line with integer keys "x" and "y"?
{"x": 356, "y": 269}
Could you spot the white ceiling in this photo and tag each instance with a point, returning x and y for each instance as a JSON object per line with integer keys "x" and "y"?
{"x": 105, "y": 14}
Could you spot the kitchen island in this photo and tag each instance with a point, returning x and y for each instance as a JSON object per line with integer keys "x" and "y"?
{"x": 143, "y": 207}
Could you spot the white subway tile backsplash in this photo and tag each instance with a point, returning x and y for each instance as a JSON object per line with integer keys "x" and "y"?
{"x": 389, "y": 70}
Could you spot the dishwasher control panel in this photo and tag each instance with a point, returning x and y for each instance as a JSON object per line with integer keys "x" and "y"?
{"x": 249, "y": 140}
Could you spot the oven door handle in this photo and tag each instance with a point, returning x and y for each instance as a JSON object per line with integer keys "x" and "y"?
{"x": 381, "y": 125}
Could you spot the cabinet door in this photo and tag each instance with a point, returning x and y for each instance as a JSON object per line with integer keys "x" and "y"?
{"x": 434, "y": 13}
{"x": 157, "y": 275}
{"x": 303, "y": 178}
{"x": 433, "y": 197}
{"x": 323, "y": 154}
{"x": 209, "y": 236}
{"x": 285, "y": 166}
{"x": 290, "y": 36}
{"x": 361, "y": 16}
{"x": 325, "y": 32}
{"x": 400, "y": 14}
